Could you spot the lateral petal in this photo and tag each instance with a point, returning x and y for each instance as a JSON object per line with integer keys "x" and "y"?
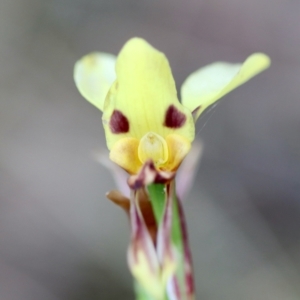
{"x": 207, "y": 85}
{"x": 93, "y": 75}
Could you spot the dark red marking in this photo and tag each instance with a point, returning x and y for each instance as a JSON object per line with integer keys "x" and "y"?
{"x": 118, "y": 122}
{"x": 174, "y": 118}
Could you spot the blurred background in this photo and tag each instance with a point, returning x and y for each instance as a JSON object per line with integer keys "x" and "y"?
{"x": 60, "y": 238}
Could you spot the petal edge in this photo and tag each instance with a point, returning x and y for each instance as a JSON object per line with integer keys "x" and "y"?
{"x": 93, "y": 75}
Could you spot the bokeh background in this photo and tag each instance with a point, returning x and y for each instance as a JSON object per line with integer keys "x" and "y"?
{"x": 60, "y": 239}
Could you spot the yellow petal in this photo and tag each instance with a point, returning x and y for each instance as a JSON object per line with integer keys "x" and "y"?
{"x": 207, "y": 85}
{"x": 145, "y": 94}
{"x": 178, "y": 147}
{"x": 125, "y": 154}
{"x": 93, "y": 75}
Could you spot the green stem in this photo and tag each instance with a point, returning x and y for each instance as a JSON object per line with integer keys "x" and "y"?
{"x": 157, "y": 198}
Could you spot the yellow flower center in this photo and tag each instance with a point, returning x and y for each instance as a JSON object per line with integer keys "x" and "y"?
{"x": 153, "y": 146}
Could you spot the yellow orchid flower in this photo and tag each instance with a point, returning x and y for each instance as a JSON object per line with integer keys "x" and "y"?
{"x": 142, "y": 116}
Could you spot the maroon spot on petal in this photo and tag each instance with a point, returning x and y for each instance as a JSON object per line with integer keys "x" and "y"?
{"x": 118, "y": 122}
{"x": 174, "y": 118}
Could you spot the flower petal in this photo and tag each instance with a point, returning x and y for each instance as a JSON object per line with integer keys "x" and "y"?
{"x": 145, "y": 94}
{"x": 93, "y": 75}
{"x": 119, "y": 175}
{"x": 125, "y": 154}
{"x": 186, "y": 174}
{"x": 178, "y": 148}
{"x": 207, "y": 85}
